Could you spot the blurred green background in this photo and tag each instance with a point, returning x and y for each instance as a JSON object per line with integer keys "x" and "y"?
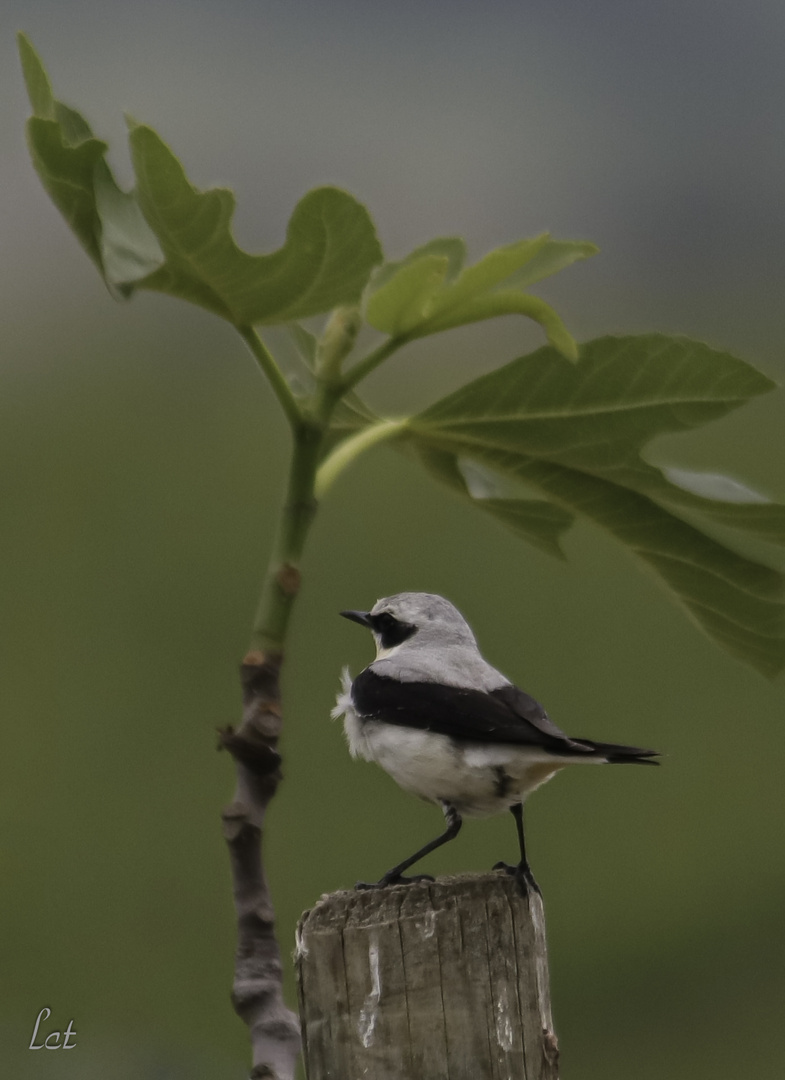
{"x": 141, "y": 468}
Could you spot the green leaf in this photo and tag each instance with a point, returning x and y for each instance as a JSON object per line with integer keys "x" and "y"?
{"x": 400, "y": 293}
{"x": 506, "y": 302}
{"x": 713, "y": 486}
{"x": 719, "y": 498}
{"x": 736, "y": 600}
{"x": 492, "y": 270}
{"x": 405, "y": 301}
{"x": 541, "y": 523}
{"x": 424, "y": 293}
{"x": 330, "y": 247}
{"x": 599, "y": 414}
{"x": 574, "y": 433}
{"x": 451, "y": 248}
{"x": 129, "y": 248}
{"x": 169, "y": 237}
{"x": 39, "y": 89}
{"x": 71, "y": 164}
{"x": 553, "y": 256}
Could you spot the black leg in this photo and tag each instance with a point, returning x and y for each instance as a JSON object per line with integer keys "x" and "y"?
{"x": 395, "y": 876}
{"x": 522, "y": 872}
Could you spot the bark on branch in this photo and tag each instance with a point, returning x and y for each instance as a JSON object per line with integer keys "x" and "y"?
{"x": 256, "y": 993}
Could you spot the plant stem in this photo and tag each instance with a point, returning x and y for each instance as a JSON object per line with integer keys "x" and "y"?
{"x": 349, "y": 449}
{"x": 309, "y": 424}
{"x": 257, "y": 988}
{"x": 370, "y": 362}
{"x": 257, "y": 993}
{"x": 282, "y": 581}
{"x": 280, "y": 386}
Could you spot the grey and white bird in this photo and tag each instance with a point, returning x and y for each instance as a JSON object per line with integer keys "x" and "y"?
{"x": 451, "y": 729}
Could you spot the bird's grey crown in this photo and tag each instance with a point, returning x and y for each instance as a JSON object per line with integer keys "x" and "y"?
{"x": 443, "y": 648}
{"x": 435, "y": 618}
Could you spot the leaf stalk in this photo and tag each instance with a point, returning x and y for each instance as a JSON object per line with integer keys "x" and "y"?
{"x": 281, "y": 388}
{"x": 372, "y": 361}
{"x": 351, "y": 448}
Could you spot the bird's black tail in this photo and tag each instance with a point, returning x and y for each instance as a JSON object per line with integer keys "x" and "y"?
{"x": 620, "y": 755}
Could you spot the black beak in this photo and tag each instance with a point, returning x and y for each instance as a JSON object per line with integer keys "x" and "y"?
{"x": 361, "y": 617}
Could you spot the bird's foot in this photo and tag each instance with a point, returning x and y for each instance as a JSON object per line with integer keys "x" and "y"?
{"x": 392, "y": 879}
{"x": 524, "y": 878}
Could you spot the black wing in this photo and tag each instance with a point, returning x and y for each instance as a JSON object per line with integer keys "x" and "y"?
{"x": 523, "y": 706}
{"x": 531, "y": 710}
{"x": 506, "y": 715}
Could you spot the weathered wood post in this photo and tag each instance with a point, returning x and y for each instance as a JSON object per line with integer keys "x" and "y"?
{"x": 429, "y": 981}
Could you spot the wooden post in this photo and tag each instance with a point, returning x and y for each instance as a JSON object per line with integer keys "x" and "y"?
{"x": 429, "y": 981}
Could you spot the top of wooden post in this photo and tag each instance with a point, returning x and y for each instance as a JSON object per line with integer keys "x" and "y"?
{"x": 444, "y": 980}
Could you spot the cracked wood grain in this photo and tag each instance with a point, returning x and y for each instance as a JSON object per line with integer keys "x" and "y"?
{"x": 430, "y": 981}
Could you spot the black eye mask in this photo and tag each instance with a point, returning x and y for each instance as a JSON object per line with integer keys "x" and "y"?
{"x": 391, "y": 631}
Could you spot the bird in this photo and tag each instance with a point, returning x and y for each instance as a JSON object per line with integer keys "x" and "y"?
{"x": 451, "y": 729}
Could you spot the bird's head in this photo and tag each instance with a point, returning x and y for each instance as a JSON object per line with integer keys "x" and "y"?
{"x": 421, "y": 618}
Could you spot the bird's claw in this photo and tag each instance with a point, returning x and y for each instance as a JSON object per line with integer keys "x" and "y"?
{"x": 396, "y": 879}
{"x": 524, "y": 878}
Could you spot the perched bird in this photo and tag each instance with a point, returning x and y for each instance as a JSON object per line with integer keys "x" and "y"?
{"x": 450, "y": 728}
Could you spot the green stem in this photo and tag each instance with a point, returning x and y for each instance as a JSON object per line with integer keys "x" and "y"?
{"x": 282, "y": 581}
{"x": 371, "y": 362}
{"x": 309, "y": 423}
{"x": 279, "y": 384}
{"x": 351, "y": 448}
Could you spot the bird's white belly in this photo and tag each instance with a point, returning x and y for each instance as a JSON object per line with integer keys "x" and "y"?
{"x": 476, "y": 780}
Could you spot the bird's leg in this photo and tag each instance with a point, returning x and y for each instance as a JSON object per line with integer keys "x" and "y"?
{"x": 522, "y": 872}
{"x": 395, "y": 876}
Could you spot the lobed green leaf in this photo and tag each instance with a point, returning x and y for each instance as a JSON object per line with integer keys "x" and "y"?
{"x": 722, "y": 499}
{"x": 452, "y": 248}
{"x": 71, "y": 164}
{"x": 169, "y": 237}
{"x": 405, "y": 301}
{"x": 425, "y": 293}
{"x": 575, "y": 433}
{"x": 330, "y": 247}
{"x": 492, "y": 270}
{"x": 541, "y": 523}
